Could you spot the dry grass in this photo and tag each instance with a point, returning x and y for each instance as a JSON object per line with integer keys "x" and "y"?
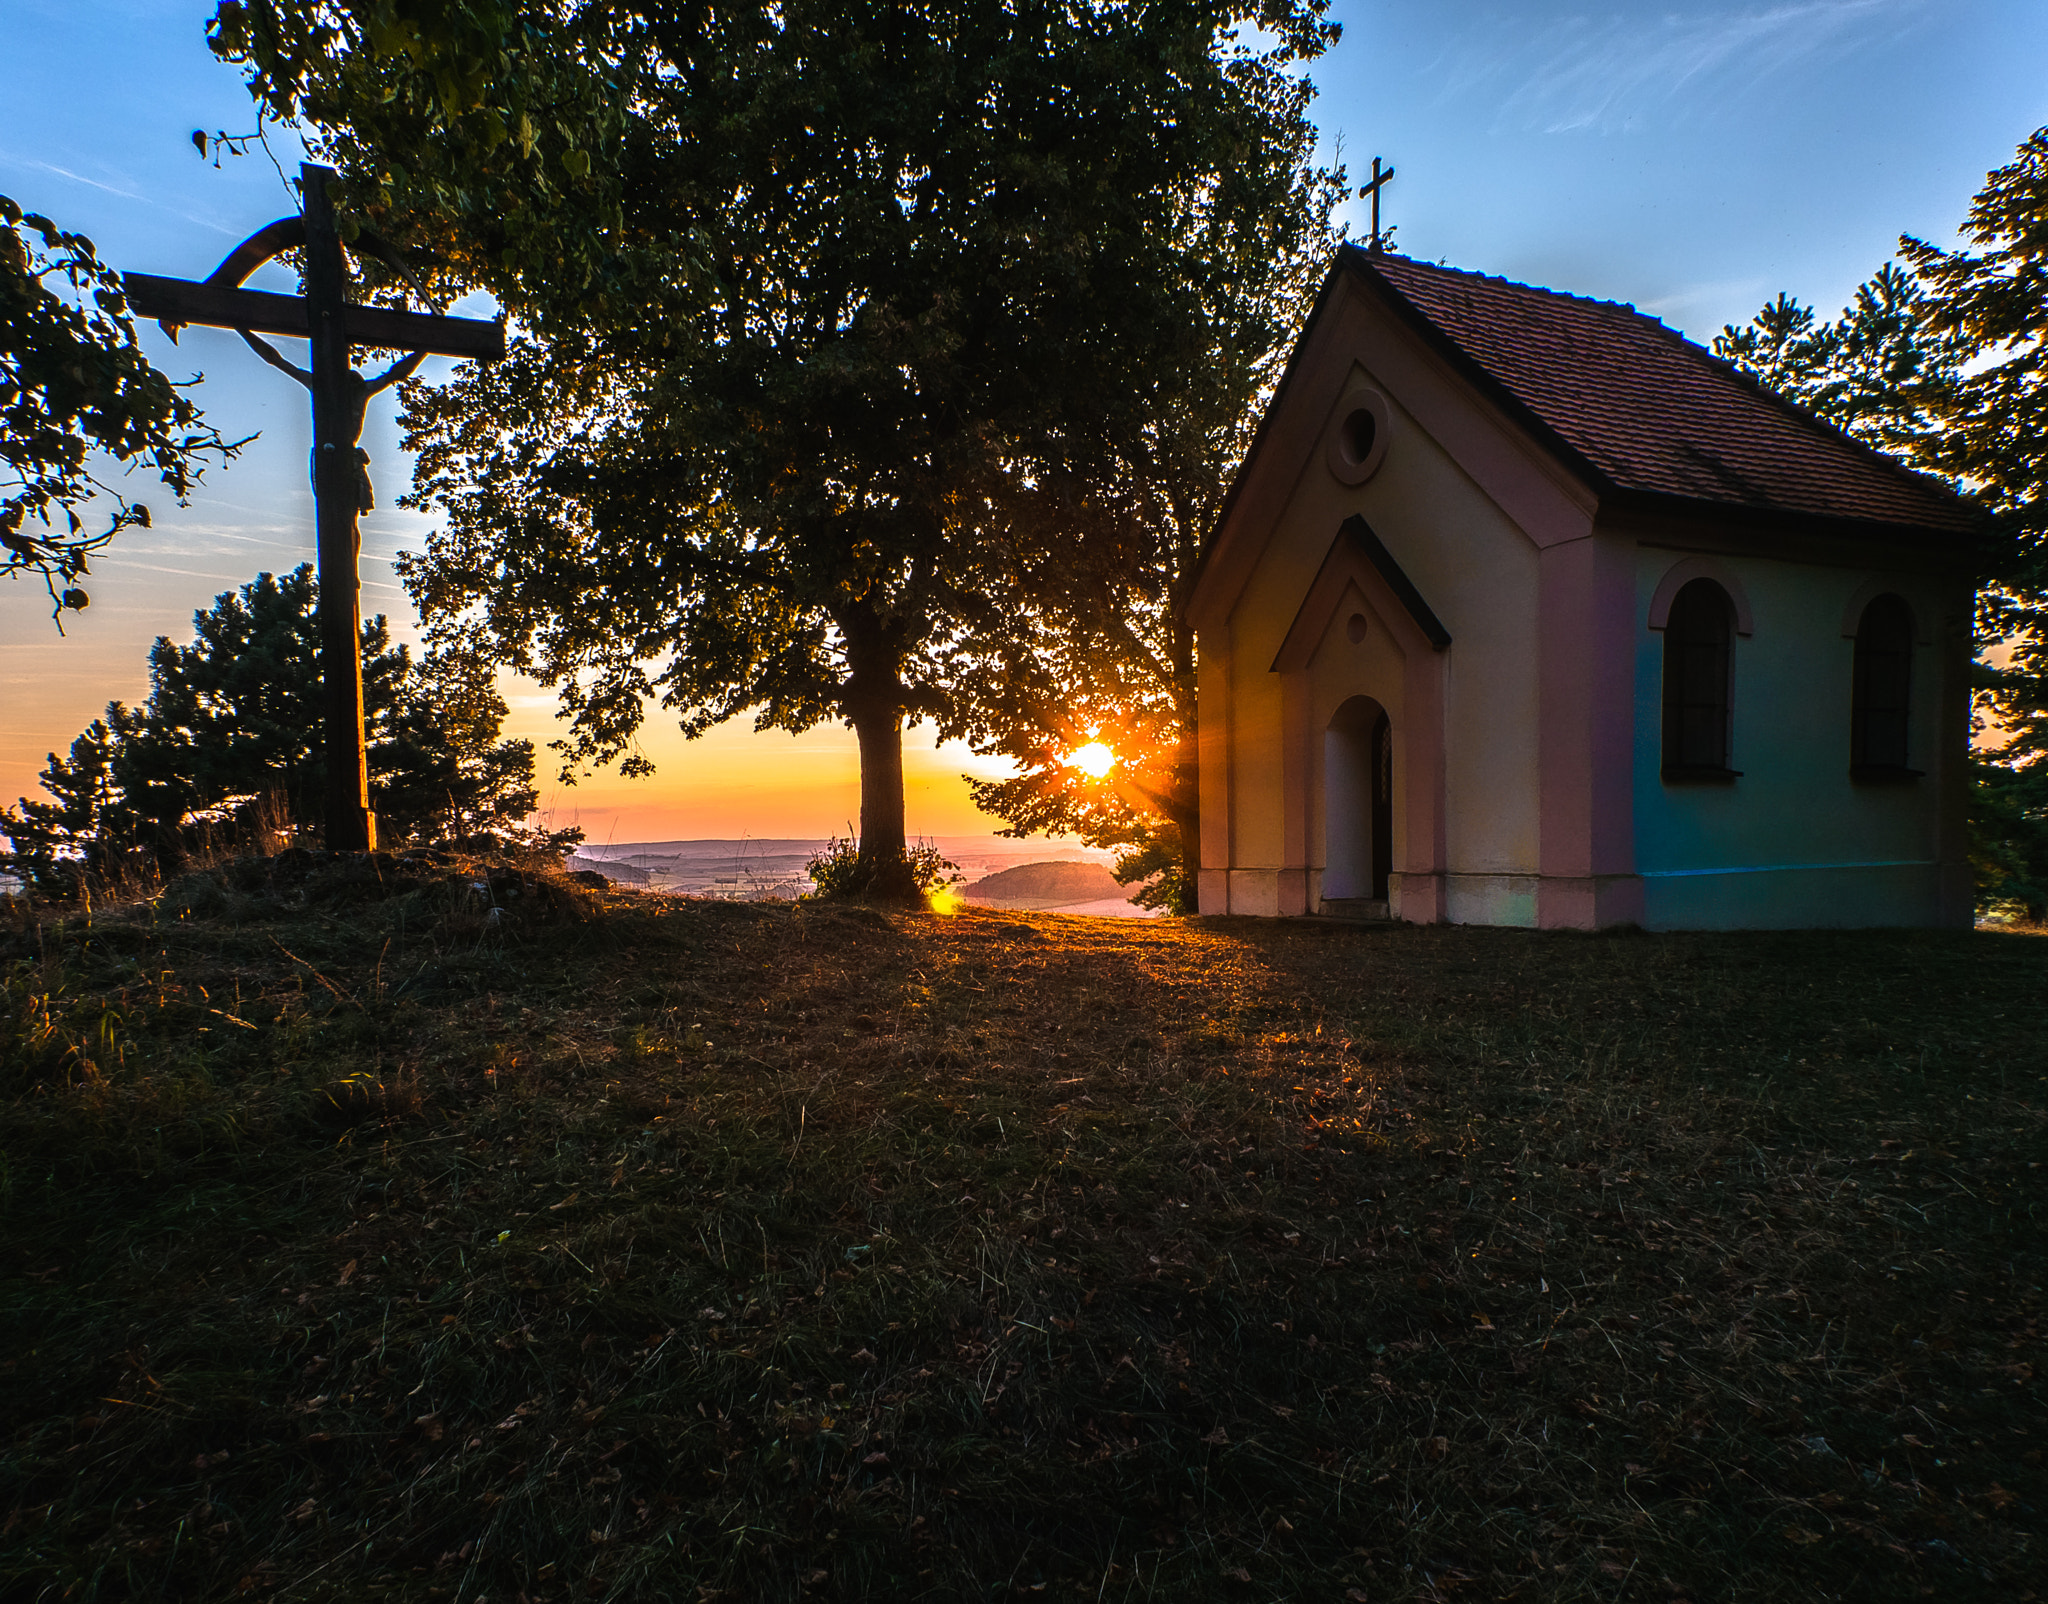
{"x": 363, "y": 1245}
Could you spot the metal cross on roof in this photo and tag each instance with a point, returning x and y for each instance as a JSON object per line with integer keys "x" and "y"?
{"x": 324, "y": 317}
{"x": 1380, "y": 180}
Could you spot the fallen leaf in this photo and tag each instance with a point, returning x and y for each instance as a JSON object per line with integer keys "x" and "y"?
{"x": 347, "y": 1270}
{"x": 1217, "y": 1438}
{"x": 1799, "y": 1534}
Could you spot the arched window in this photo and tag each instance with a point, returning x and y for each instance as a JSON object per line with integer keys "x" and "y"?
{"x": 1883, "y": 702}
{"x": 1697, "y": 667}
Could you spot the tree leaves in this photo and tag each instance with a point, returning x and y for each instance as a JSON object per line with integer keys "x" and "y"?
{"x": 73, "y": 381}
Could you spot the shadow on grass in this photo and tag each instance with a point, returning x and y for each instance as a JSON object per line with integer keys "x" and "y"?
{"x": 699, "y": 1250}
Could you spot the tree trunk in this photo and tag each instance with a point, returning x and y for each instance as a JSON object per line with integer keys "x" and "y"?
{"x": 874, "y": 705}
{"x": 883, "y": 848}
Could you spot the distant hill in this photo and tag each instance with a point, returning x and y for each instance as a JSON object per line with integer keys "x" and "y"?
{"x": 1046, "y": 885}
{"x": 618, "y": 873}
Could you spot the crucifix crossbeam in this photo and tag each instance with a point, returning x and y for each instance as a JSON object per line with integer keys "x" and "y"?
{"x": 333, "y": 326}
{"x": 177, "y": 301}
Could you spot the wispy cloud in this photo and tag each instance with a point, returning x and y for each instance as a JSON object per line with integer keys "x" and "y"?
{"x": 1603, "y": 72}
{"x": 126, "y": 191}
{"x": 1681, "y": 305}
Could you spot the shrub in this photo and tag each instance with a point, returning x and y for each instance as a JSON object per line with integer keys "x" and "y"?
{"x": 841, "y": 871}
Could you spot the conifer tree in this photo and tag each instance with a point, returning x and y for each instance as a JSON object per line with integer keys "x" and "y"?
{"x": 56, "y": 841}
{"x": 232, "y": 728}
{"x": 1991, "y": 298}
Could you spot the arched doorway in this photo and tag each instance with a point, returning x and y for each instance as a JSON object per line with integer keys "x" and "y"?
{"x": 1358, "y": 802}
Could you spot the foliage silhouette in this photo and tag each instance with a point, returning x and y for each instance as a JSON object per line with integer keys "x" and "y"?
{"x": 74, "y": 381}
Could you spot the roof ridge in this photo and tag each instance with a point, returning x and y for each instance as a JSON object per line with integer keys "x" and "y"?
{"x": 1514, "y": 284}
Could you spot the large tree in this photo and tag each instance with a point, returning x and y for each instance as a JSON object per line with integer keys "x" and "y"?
{"x": 859, "y": 294}
{"x": 231, "y": 731}
{"x": 76, "y": 391}
{"x": 1946, "y": 366}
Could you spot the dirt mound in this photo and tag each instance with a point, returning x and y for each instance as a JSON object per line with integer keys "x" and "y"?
{"x": 450, "y": 883}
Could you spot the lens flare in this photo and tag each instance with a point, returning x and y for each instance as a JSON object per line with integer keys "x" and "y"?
{"x": 945, "y": 900}
{"x": 1093, "y": 760}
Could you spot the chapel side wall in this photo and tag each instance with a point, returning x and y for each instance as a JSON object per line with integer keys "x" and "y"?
{"x": 1478, "y": 572}
{"x": 1795, "y": 843}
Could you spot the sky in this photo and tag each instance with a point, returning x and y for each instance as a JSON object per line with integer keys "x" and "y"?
{"x": 1692, "y": 159}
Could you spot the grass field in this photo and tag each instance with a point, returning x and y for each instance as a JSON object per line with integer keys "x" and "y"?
{"x": 361, "y": 1243}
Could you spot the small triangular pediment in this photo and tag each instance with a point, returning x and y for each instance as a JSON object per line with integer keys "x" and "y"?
{"x": 1359, "y": 560}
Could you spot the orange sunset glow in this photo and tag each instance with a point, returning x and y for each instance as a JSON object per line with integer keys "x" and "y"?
{"x": 1093, "y": 760}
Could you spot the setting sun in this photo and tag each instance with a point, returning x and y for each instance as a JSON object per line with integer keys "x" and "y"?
{"x": 1094, "y": 760}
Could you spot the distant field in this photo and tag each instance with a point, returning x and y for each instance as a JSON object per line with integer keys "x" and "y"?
{"x": 751, "y": 868}
{"x": 361, "y": 1243}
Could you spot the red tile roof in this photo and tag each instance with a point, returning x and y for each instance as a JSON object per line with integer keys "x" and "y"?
{"x": 1638, "y": 409}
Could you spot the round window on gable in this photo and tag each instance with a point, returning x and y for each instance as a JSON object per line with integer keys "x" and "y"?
{"x": 1354, "y": 628}
{"x": 1358, "y": 441}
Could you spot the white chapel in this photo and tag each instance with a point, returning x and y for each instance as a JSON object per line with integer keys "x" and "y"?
{"x": 1524, "y": 610}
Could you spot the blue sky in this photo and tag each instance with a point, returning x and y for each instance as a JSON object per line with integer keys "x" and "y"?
{"x": 1693, "y": 159}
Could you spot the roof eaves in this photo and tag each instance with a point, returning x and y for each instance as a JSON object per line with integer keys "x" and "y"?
{"x": 1361, "y": 535}
{"x": 1972, "y": 543}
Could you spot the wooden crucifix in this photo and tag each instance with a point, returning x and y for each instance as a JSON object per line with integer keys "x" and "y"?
{"x": 341, "y": 487}
{"x": 1380, "y": 180}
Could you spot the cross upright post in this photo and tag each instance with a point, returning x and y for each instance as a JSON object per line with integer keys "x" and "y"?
{"x": 338, "y": 406}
